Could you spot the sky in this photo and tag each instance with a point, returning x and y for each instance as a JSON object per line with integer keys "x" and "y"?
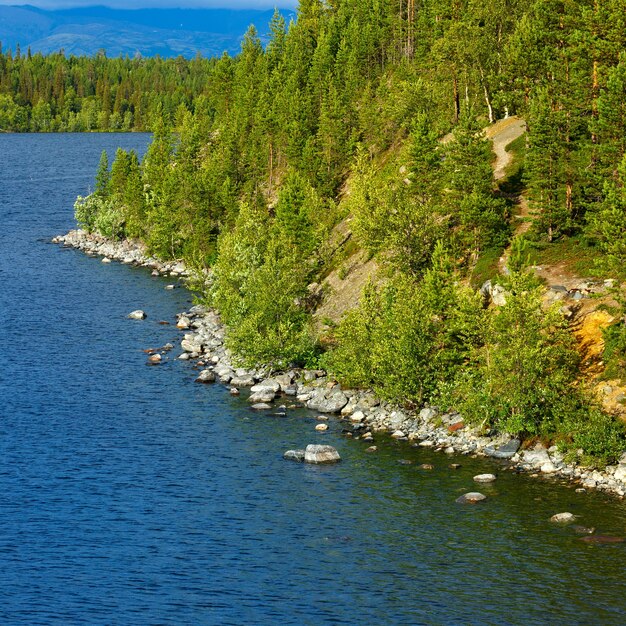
{"x": 154, "y": 4}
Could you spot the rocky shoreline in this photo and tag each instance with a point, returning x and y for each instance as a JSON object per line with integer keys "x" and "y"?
{"x": 366, "y": 415}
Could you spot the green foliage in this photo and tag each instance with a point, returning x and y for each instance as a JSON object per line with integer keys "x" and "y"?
{"x": 260, "y": 289}
{"x": 524, "y": 374}
{"x": 601, "y": 437}
{"x": 409, "y": 338}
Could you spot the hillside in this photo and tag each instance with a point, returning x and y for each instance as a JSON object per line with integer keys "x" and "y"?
{"x": 350, "y": 160}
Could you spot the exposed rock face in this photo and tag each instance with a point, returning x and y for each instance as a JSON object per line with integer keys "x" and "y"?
{"x": 317, "y": 454}
{"x": 137, "y": 315}
{"x": 471, "y": 498}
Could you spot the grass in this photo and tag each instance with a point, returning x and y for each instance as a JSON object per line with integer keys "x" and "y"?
{"x": 486, "y": 267}
{"x": 574, "y": 253}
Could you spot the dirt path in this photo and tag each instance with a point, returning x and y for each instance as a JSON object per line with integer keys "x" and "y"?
{"x": 501, "y": 134}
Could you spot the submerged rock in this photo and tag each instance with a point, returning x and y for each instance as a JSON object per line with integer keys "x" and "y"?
{"x": 471, "y": 498}
{"x": 137, "y": 315}
{"x": 294, "y": 455}
{"x": 318, "y": 454}
{"x": 484, "y": 478}
{"x": 563, "y": 518}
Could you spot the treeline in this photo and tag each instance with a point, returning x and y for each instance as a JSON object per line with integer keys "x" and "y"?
{"x": 55, "y": 93}
{"x": 342, "y": 117}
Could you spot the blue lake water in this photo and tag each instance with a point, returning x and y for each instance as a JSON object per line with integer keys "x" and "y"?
{"x": 131, "y": 495}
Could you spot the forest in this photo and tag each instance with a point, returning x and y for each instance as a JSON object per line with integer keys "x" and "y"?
{"x": 358, "y": 130}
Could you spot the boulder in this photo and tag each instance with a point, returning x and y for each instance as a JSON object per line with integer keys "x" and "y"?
{"x": 191, "y": 345}
{"x": 183, "y": 322}
{"x": 505, "y": 451}
{"x": 327, "y": 400}
{"x": 321, "y": 427}
{"x": 318, "y": 454}
{"x": 266, "y": 386}
{"x": 294, "y": 455}
{"x": 620, "y": 472}
{"x": 357, "y": 416}
{"x": 206, "y": 376}
{"x": 537, "y": 457}
{"x": 471, "y": 498}
{"x": 427, "y": 414}
{"x": 283, "y": 380}
{"x": 137, "y": 315}
{"x": 242, "y": 381}
{"x": 262, "y": 396}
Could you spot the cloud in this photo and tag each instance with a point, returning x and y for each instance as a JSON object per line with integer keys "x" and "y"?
{"x": 156, "y": 4}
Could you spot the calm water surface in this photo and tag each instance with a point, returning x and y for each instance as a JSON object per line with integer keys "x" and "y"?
{"x": 131, "y": 495}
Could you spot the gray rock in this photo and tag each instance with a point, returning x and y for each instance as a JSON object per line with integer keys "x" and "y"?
{"x": 471, "y": 498}
{"x": 190, "y": 345}
{"x": 563, "y": 518}
{"x": 484, "y": 478}
{"x": 537, "y": 457}
{"x": 266, "y": 395}
{"x": 294, "y": 455}
{"x": 266, "y": 386}
{"x": 242, "y": 381}
{"x": 327, "y": 400}
{"x": 505, "y": 451}
{"x": 498, "y": 295}
{"x": 261, "y": 406}
{"x": 283, "y": 380}
{"x": 137, "y": 315}
{"x": 206, "y": 376}
{"x": 318, "y": 454}
{"x": 427, "y": 414}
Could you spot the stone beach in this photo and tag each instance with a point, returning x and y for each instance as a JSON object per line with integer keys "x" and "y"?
{"x": 366, "y": 416}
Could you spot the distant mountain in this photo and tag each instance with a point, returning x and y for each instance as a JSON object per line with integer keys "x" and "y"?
{"x": 148, "y": 32}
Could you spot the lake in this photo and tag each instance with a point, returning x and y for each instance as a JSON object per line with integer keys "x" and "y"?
{"x": 131, "y": 495}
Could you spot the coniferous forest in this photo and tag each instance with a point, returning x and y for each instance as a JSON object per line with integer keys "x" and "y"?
{"x": 357, "y": 134}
